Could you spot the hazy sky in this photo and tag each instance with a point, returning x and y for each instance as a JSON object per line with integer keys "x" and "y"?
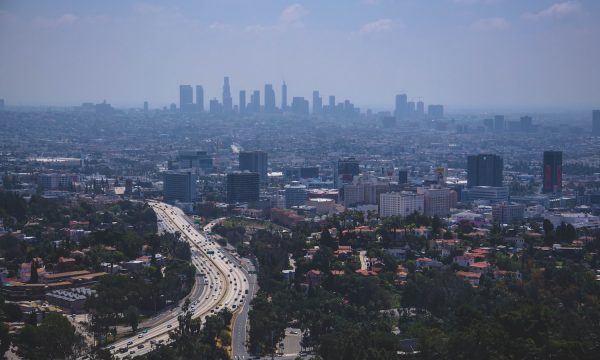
{"x": 462, "y": 53}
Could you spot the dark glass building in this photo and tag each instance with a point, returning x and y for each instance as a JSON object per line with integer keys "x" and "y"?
{"x": 484, "y": 170}
{"x": 254, "y": 161}
{"x": 552, "y": 172}
{"x": 242, "y": 187}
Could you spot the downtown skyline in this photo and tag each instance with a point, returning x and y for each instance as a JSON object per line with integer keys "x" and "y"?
{"x": 530, "y": 60}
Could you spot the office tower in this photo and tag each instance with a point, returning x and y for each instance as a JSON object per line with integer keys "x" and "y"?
{"x": 348, "y": 166}
{"x": 526, "y": 123}
{"x": 199, "y": 98}
{"x": 484, "y": 170}
{"x": 242, "y": 102}
{"x": 402, "y": 177}
{"x": 186, "y": 98}
{"x": 435, "y": 111}
{"x": 254, "y": 105}
{"x": 596, "y": 122}
{"x": 255, "y": 161}
{"x": 145, "y": 106}
{"x": 284, "y": 104}
{"x": 214, "y": 107}
{"x": 299, "y": 106}
{"x": 317, "y": 103}
{"x": 401, "y": 203}
{"x": 331, "y": 103}
{"x": 499, "y": 122}
{"x": 269, "y": 99}
{"x": 227, "y": 100}
{"x": 411, "y": 109}
{"x": 552, "y": 172}
{"x": 242, "y": 187}
{"x": 420, "y": 109}
{"x": 437, "y": 201}
{"x": 179, "y": 186}
{"x": 295, "y": 194}
{"x": 508, "y": 213}
{"x": 401, "y": 109}
{"x": 194, "y": 159}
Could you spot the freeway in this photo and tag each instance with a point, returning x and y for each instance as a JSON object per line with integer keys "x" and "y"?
{"x": 224, "y": 283}
{"x": 239, "y": 329}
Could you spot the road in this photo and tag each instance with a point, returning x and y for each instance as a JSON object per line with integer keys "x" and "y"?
{"x": 239, "y": 330}
{"x": 225, "y": 284}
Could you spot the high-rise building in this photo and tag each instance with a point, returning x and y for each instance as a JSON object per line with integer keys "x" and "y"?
{"x": 438, "y": 201}
{"x": 526, "y": 123}
{"x": 596, "y": 122}
{"x": 1, "y": 104}
{"x": 254, "y": 161}
{"x": 345, "y": 170}
{"x": 242, "y": 102}
{"x": 242, "y": 187}
{"x": 145, "y": 106}
{"x": 402, "y": 177}
{"x": 484, "y": 170}
{"x": 254, "y": 105}
{"x": 411, "y": 108}
{"x": 401, "y": 110}
{"x": 284, "y": 103}
{"x": 194, "y": 159}
{"x": 499, "y": 123}
{"x": 331, "y": 103}
{"x": 435, "y": 111}
{"x": 269, "y": 99}
{"x": 300, "y": 106}
{"x": 295, "y": 194}
{"x": 186, "y": 98}
{"x": 179, "y": 186}
{"x": 317, "y": 103}
{"x": 199, "y": 98}
{"x": 214, "y": 107}
{"x": 420, "y": 109}
{"x": 401, "y": 203}
{"x": 552, "y": 172}
{"x": 227, "y": 100}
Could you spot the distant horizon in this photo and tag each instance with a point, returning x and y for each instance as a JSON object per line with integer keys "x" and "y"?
{"x": 494, "y": 54}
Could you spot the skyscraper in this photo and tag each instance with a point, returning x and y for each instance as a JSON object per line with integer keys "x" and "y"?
{"x": 254, "y": 105}
{"x": 484, "y": 170}
{"x": 420, "y": 109}
{"x": 526, "y": 123}
{"x": 242, "y": 102}
{"x": 254, "y": 161}
{"x": 284, "y": 103}
{"x": 242, "y": 187}
{"x": 199, "y": 98}
{"x": 299, "y": 106}
{"x": 186, "y": 98}
{"x": 179, "y": 186}
{"x": 145, "y": 106}
{"x": 331, "y": 102}
{"x": 596, "y": 122}
{"x": 317, "y": 103}
{"x": 215, "y": 107}
{"x": 552, "y": 172}
{"x": 227, "y": 100}
{"x": 269, "y": 99}
{"x": 499, "y": 122}
{"x": 401, "y": 106}
{"x": 435, "y": 111}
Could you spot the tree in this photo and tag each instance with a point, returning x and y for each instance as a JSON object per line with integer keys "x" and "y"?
{"x": 55, "y": 338}
{"x": 4, "y": 338}
{"x": 132, "y": 315}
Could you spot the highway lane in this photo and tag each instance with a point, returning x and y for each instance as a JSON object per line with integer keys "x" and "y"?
{"x": 225, "y": 283}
